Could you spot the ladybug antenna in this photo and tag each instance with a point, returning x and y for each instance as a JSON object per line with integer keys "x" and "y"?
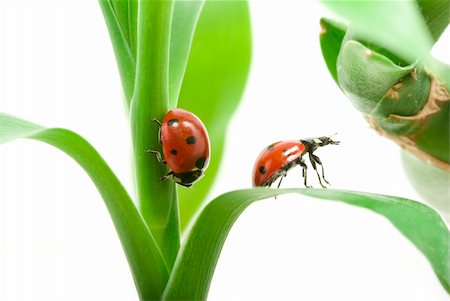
{"x": 331, "y": 141}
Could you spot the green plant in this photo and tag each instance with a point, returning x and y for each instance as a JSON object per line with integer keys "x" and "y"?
{"x": 162, "y": 49}
{"x": 382, "y": 63}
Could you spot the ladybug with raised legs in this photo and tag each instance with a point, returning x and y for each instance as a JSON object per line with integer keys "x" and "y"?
{"x": 185, "y": 145}
{"x": 278, "y": 158}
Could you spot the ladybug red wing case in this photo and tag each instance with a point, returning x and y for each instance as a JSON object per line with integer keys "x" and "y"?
{"x": 274, "y": 159}
{"x": 186, "y": 147}
{"x": 185, "y": 141}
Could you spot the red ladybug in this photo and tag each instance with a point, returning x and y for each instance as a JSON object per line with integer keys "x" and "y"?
{"x": 185, "y": 144}
{"x": 278, "y": 158}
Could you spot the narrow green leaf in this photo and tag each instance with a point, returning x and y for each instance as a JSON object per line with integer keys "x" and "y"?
{"x": 331, "y": 36}
{"x": 133, "y": 24}
{"x": 120, "y": 40}
{"x": 120, "y": 8}
{"x": 147, "y": 264}
{"x": 195, "y": 265}
{"x": 157, "y": 200}
{"x": 436, "y": 14}
{"x": 215, "y": 78}
{"x": 393, "y": 25}
{"x": 184, "y": 21}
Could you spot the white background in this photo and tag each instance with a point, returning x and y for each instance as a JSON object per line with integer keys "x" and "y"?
{"x": 56, "y": 239}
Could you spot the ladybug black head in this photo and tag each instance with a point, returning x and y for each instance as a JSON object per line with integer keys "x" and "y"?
{"x": 325, "y": 141}
{"x": 320, "y": 141}
{"x": 186, "y": 179}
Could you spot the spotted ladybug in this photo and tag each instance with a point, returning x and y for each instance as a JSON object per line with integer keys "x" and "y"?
{"x": 278, "y": 158}
{"x": 185, "y": 144}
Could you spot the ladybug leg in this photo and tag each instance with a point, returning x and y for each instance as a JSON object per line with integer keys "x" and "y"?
{"x": 304, "y": 171}
{"x": 156, "y": 121}
{"x": 321, "y": 165}
{"x": 279, "y": 183}
{"x": 281, "y": 179}
{"x": 159, "y": 132}
{"x": 158, "y": 156}
{"x": 313, "y": 163}
{"x": 166, "y": 176}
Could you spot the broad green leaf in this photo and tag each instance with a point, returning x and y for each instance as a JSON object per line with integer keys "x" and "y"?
{"x": 404, "y": 104}
{"x": 147, "y": 264}
{"x": 184, "y": 21}
{"x": 194, "y": 268}
{"x": 214, "y": 82}
{"x": 365, "y": 76}
{"x": 431, "y": 182}
{"x": 115, "y": 13}
{"x": 435, "y": 12}
{"x": 407, "y": 98}
{"x": 331, "y": 36}
{"x": 393, "y": 25}
{"x": 157, "y": 200}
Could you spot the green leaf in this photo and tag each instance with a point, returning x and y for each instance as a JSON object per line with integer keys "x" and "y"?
{"x": 331, "y": 36}
{"x": 147, "y": 264}
{"x": 133, "y": 24}
{"x": 407, "y": 98}
{"x": 215, "y": 78}
{"x": 436, "y": 14}
{"x": 431, "y": 182}
{"x": 157, "y": 200}
{"x": 195, "y": 265}
{"x": 120, "y": 8}
{"x": 365, "y": 76}
{"x": 184, "y": 21}
{"x": 121, "y": 18}
{"x": 393, "y": 25}
{"x": 115, "y": 14}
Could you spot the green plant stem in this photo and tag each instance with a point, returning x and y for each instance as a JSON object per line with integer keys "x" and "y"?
{"x": 157, "y": 200}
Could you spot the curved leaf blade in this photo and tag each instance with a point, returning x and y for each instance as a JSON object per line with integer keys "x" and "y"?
{"x": 195, "y": 265}
{"x": 156, "y": 199}
{"x": 215, "y": 78}
{"x": 144, "y": 257}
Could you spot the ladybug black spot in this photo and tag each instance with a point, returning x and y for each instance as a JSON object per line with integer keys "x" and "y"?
{"x": 172, "y": 122}
{"x": 262, "y": 169}
{"x": 270, "y": 147}
{"x": 191, "y": 140}
{"x": 200, "y": 163}
{"x": 173, "y": 151}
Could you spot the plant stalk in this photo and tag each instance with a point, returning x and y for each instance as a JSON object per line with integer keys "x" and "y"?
{"x": 157, "y": 200}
